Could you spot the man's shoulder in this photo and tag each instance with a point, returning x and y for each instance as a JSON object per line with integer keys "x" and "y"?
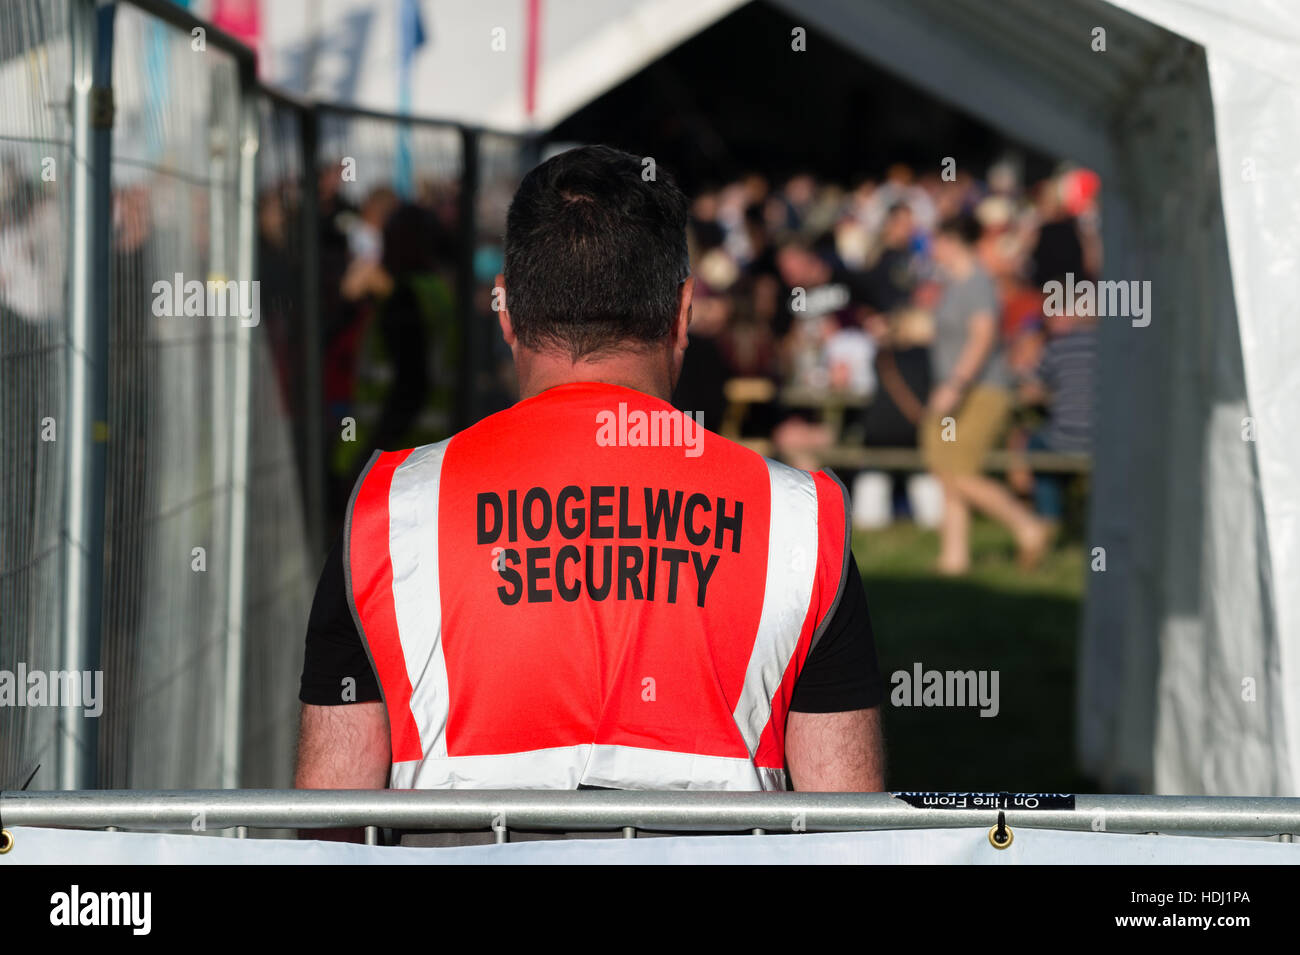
{"x": 790, "y": 471}
{"x": 713, "y": 442}
{"x": 376, "y": 479}
{"x": 814, "y": 490}
{"x": 487, "y": 443}
{"x": 382, "y": 458}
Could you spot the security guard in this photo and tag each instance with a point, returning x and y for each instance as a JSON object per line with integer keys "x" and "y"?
{"x": 589, "y": 589}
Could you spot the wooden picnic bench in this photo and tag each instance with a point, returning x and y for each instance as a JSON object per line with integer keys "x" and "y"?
{"x": 743, "y": 392}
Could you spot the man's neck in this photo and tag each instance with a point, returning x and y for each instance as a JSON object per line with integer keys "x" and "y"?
{"x": 645, "y": 372}
{"x": 962, "y": 266}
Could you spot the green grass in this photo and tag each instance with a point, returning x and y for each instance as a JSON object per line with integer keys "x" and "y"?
{"x": 1024, "y": 625}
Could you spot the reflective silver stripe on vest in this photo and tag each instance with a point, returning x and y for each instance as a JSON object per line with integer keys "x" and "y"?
{"x": 417, "y": 599}
{"x": 567, "y": 767}
{"x": 791, "y": 568}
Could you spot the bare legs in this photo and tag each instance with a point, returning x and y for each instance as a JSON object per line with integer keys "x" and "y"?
{"x": 954, "y": 531}
{"x": 961, "y": 492}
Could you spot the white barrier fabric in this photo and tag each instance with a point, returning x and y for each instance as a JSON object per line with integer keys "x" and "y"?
{"x": 33, "y": 846}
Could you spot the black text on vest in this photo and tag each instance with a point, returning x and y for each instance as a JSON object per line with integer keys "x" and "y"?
{"x": 614, "y": 542}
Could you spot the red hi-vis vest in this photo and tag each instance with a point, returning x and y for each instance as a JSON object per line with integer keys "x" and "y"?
{"x": 589, "y": 588}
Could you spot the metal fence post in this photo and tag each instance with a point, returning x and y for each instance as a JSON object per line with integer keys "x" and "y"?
{"x": 530, "y": 151}
{"x": 311, "y": 392}
{"x": 87, "y": 344}
{"x": 246, "y": 240}
{"x": 473, "y": 339}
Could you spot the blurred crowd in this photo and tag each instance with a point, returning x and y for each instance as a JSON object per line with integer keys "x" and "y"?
{"x": 867, "y": 296}
{"x": 392, "y": 328}
{"x": 390, "y": 331}
{"x": 824, "y": 318}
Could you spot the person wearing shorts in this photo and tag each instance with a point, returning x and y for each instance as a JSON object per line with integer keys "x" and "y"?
{"x": 970, "y": 406}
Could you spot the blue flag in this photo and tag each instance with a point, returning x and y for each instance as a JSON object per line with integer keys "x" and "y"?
{"x": 412, "y": 37}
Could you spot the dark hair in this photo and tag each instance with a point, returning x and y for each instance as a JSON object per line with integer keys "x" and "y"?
{"x": 595, "y": 255}
{"x": 963, "y": 226}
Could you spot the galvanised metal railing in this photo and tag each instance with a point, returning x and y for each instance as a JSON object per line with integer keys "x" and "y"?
{"x": 630, "y": 812}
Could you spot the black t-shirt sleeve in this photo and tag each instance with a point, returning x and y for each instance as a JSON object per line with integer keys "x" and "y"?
{"x": 841, "y": 673}
{"x": 334, "y": 650}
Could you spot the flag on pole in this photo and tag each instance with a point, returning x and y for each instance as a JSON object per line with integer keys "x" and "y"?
{"x": 411, "y": 38}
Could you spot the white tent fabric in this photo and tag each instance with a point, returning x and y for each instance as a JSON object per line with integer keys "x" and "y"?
{"x": 1208, "y": 737}
{"x": 1190, "y": 658}
{"x": 471, "y": 67}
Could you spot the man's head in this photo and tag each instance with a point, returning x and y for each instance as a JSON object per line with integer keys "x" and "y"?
{"x": 596, "y": 264}
{"x": 954, "y": 239}
{"x": 800, "y": 265}
{"x": 899, "y": 225}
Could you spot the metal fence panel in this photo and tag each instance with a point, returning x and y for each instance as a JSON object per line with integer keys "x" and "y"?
{"x": 175, "y": 156}
{"x": 421, "y": 161}
{"x": 35, "y": 207}
{"x": 389, "y": 193}
{"x": 502, "y": 162}
{"x": 217, "y": 422}
{"x": 281, "y": 569}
